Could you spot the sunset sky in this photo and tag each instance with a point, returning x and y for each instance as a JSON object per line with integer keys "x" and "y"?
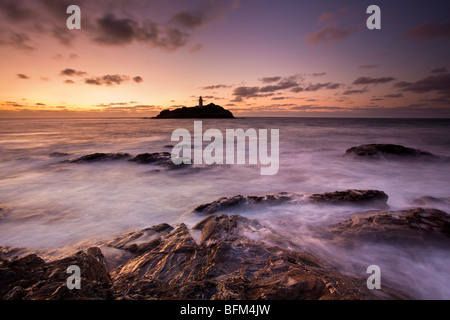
{"x": 253, "y": 57}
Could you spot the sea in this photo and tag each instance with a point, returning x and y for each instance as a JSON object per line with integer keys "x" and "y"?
{"x": 49, "y": 204}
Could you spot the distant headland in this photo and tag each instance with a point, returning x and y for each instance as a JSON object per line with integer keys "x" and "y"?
{"x": 210, "y": 111}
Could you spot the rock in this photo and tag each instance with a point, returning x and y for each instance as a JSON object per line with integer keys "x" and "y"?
{"x": 352, "y": 197}
{"x": 58, "y": 154}
{"x": 210, "y": 111}
{"x": 386, "y": 150}
{"x": 239, "y": 200}
{"x": 158, "y": 158}
{"x": 95, "y": 157}
{"x": 225, "y": 264}
{"x": 412, "y": 227}
{"x": 359, "y": 197}
{"x": 31, "y": 278}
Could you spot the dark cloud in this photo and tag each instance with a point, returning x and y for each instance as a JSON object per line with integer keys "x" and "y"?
{"x": 394, "y": 95}
{"x": 429, "y": 30}
{"x": 318, "y": 86}
{"x": 116, "y": 31}
{"x": 23, "y": 76}
{"x": 188, "y": 19}
{"x": 297, "y": 89}
{"x": 270, "y": 79}
{"x": 279, "y": 98}
{"x": 138, "y": 79}
{"x": 19, "y": 40}
{"x": 439, "y": 70}
{"x": 108, "y": 80}
{"x": 319, "y": 74}
{"x": 71, "y": 72}
{"x": 327, "y": 34}
{"x": 68, "y": 81}
{"x": 439, "y": 83}
{"x": 217, "y": 86}
{"x": 282, "y": 85}
{"x": 350, "y": 92}
{"x": 14, "y": 10}
{"x": 368, "y": 80}
{"x": 245, "y": 92}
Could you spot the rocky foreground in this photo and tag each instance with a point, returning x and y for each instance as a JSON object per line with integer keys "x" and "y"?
{"x": 222, "y": 257}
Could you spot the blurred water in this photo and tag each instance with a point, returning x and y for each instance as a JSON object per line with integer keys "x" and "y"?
{"x": 53, "y": 204}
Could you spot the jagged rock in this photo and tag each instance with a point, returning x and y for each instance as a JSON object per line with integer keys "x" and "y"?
{"x": 158, "y": 158}
{"x": 100, "y": 157}
{"x": 360, "y": 197}
{"x": 239, "y": 200}
{"x": 224, "y": 264}
{"x": 412, "y": 227}
{"x": 31, "y": 278}
{"x": 221, "y": 257}
{"x": 390, "y": 150}
{"x": 352, "y": 196}
{"x": 209, "y": 111}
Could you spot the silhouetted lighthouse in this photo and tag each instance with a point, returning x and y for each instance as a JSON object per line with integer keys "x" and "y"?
{"x": 200, "y": 102}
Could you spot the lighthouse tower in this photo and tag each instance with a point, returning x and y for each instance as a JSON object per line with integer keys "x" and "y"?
{"x": 200, "y": 102}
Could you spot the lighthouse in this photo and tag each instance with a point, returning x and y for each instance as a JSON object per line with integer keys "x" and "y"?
{"x": 200, "y": 102}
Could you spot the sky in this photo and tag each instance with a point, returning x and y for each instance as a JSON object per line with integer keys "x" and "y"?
{"x": 280, "y": 58}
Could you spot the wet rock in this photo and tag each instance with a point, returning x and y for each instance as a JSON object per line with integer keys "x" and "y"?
{"x": 158, "y": 158}
{"x": 96, "y": 157}
{"x": 359, "y": 197}
{"x": 351, "y": 196}
{"x": 31, "y": 278}
{"x": 412, "y": 227}
{"x": 386, "y": 150}
{"x": 239, "y": 201}
{"x": 226, "y": 264}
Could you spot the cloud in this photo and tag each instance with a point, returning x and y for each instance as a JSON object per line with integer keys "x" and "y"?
{"x": 188, "y": 19}
{"x": 116, "y": 31}
{"x": 350, "y": 92}
{"x": 214, "y": 87}
{"x": 19, "y": 40}
{"x": 394, "y": 95}
{"x": 439, "y": 70}
{"x": 138, "y": 79}
{"x": 329, "y": 34}
{"x": 319, "y": 74}
{"x": 23, "y": 76}
{"x": 439, "y": 83}
{"x": 318, "y": 86}
{"x": 429, "y": 31}
{"x": 108, "y": 80}
{"x": 68, "y": 81}
{"x": 282, "y": 85}
{"x": 270, "y": 79}
{"x": 368, "y": 80}
{"x": 245, "y": 92}
{"x": 71, "y": 72}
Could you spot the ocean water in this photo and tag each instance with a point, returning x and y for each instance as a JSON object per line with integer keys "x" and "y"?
{"x": 49, "y": 204}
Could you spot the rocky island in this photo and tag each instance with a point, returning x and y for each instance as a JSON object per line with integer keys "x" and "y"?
{"x": 210, "y": 111}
